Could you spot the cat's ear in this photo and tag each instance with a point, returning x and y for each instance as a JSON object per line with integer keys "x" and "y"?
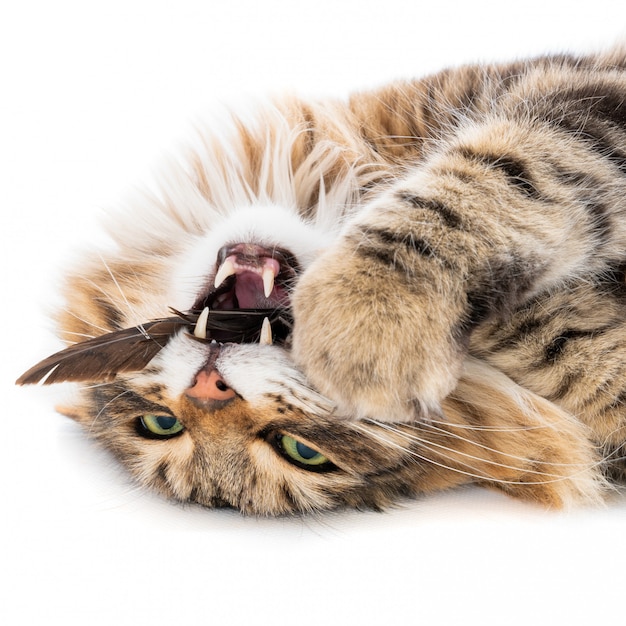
{"x": 100, "y": 359}
{"x": 77, "y": 412}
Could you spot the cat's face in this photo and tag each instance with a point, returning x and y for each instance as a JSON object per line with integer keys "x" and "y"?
{"x": 237, "y": 425}
{"x": 231, "y": 424}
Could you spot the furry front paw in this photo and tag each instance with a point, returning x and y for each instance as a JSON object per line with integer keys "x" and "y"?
{"x": 377, "y": 341}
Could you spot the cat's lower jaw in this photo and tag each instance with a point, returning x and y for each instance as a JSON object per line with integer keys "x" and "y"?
{"x": 369, "y": 345}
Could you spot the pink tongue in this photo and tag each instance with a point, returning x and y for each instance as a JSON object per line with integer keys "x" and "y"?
{"x": 249, "y": 291}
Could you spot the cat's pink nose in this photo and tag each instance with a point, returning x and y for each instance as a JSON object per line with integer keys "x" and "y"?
{"x": 209, "y": 385}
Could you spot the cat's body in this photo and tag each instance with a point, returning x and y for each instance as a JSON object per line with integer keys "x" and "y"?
{"x": 455, "y": 253}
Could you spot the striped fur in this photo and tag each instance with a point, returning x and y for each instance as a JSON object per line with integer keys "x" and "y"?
{"x": 461, "y": 313}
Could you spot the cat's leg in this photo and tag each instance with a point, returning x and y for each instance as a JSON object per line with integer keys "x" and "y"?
{"x": 383, "y": 318}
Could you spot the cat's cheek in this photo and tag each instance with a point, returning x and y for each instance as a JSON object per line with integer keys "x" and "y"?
{"x": 255, "y": 371}
{"x": 164, "y": 466}
{"x": 299, "y": 491}
{"x": 179, "y": 457}
{"x": 175, "y": 367}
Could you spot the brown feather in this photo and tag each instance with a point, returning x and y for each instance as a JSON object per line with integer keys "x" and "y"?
{"x": 100, "y": 359}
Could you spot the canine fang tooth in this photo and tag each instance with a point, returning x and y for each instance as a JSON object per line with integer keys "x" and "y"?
{"x": 265, "y": 339}
{"x": 268, "y": 281}
{"x": 199, "y": 330}
{"x": 226, "y": 269}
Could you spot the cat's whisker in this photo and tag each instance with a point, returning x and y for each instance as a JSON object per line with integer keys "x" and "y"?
{"x": 602, "y": 459}
{"x": 131, "y": 310}
{"x": 413, "y": 453}
{"x": 474, "y": 473}
{"x": 104, "y": 407}
{"x": 85, "y": 321}
{"x": 483, "y": 446}
{"x": 582, "y": 467}
{"x": 486, "y": 429}
{"x": 610, "y": 457}
{"x": 140, "y": 327}
{"x": 433, "y": 445}
{"x": 81, "y": 335}
{"x": 91, "y": 386}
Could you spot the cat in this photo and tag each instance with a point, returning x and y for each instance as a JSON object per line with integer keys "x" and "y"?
{"x": 442, "y": 264}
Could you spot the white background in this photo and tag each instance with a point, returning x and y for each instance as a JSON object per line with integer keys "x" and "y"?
{"x": 91, "y": 96}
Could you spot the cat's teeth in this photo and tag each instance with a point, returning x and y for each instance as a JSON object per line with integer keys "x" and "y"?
{"x": 268, "y": 280}
{"x": 226, "y": 269}
{"x": 265, "y": 339}
{"x": 199, "y": 330}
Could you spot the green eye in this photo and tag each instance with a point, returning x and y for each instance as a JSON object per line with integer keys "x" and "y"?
{"x": 301, "y": 453}
{"x": 159, "y": 426}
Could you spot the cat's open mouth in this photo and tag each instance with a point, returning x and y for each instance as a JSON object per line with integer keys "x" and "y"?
{"x": 250, "y": 276}
{"x": 253, "y": 279}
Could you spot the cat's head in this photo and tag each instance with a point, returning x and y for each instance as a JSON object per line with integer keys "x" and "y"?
{"x": 194, "y": 411}
{"x": 217, "y": 422}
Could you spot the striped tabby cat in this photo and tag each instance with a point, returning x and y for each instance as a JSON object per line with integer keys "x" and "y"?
{"x": 453, "y": 252}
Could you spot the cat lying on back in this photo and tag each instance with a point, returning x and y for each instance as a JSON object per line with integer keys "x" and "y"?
{"x": 453, "y": 251}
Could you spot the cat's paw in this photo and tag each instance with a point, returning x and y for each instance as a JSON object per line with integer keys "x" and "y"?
{"x": 377, "y": 341}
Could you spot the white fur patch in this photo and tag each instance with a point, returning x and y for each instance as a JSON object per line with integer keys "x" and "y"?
{"x": 176, "y": 365}
{"x": 269, "y": 226}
